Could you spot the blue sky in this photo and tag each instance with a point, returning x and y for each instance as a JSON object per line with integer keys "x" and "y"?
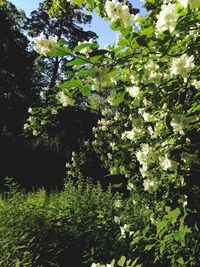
{"x": 106, "y": 36}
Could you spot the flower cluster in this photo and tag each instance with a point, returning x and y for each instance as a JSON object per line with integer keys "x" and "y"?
{"x": 182, "y": 65}
{"x": 44, "y": 45}
{"x": 87, "y": 49}
{"x": 115, "y": 10}
{"x": 65, "y": 100}
{"x": 192, "y": 3}
{"x": 167, "y": 19}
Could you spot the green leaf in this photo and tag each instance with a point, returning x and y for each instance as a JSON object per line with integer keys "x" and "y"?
{"x": 83, "y": 72}
{"x": 161, "y": 225}
{"x": 76, "y": 62}
{"x": 17, "y": 264}
{"x": 148, "y": 31}
{"x": 149, "y": 247}
{"x": 116, "y": 25}
{"x": 112, "y": 263}
{"x": 39, "y": 57}
{"x": 136, "y": 102}
{"x": 95, "y": 58}
{"x": 134, "y": 262}
{"x": 181, "y": 261}
{"x": 72, "y": 83}
{"x": 63, "y": 51}
{"x": 86, "y": 90}
{"x": 116, "y": 98}
{"x": 81, "y": 46}
{"x": 90, "y": 3}
{"x": 122, "y": 261}
{"x": 146, "y": 229}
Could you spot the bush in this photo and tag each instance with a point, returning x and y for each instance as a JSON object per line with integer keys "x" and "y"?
{"x": 73, "y": 227}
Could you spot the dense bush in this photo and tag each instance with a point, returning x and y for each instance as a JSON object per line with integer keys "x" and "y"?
{"x": 75, "y": 226}
{"x": 146, "y": 89}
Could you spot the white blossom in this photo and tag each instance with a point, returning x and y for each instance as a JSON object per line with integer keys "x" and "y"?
{"x": 86, "y": 50}
{"x": 167, "y": 19}
{"x": 124, "y": 229}
{"x": 35, "y": 133}
{"x": 196, "y": 84}
{"x": 183, "y": 200}
{"x": 192, "y": 3}
{"x": 134, "y": 77}
{"x": 54, "y": 111}
{"x": 118, "y": 203}
{"x": 133, "y": 91}
{"x": 132, "y": 134}
{"x": 150, "y": 186}
{"x": 42, "y": 94}
{"x": 130, "y": 186}
{"x": 26, "y": 126}
{"x": 96, "y": 265}
{"x": 182, "y": 65}
{"x": 165, "y": 162}
{"x": 179, "y": 123}
{"x": 30, "y": 110}
{"x": 42, "y": 45}
{"x": 65, "y": 100}
{"x": 115, "y": 10}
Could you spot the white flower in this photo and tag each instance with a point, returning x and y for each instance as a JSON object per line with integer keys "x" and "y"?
{"x": 86, "y": 50}
{"x": 133, "y": 91}
{"x": 124, "y": 229}
{"x": 123, "y": 233}
{"x": 164, "y": 162}
{"x": 152, "y": 132}
{"x": 143, "y": 153}
{"x": 118, "y": 203}
{"x": 26, "y": 126}
{"x": 30, "y": 110}
{"x": 182, "y": 65}
{"x": 143, "y": 169}
{"x": 152, "y": 74}
{"x": 192, "y": 3}
{"x": 115, "y": 10}
{"x": 154, "y": 77}
{"x": 65, "y": 100}
{"x": 134, "y": 77}
{"x": 42, "y": 45}
{"x": 132, "y": 134}
{"x": 196, "y": 84}
{"x": 167, "y": 18}
{"x": 179, "y": 123}
{"x": 130, "y": 186}
{"x": 31, "y": 119}
{"x": 42, "y": 94}
{"x": 116, "y": 219}
{"x": 54, "y": 111}
{"x": 35, "y": 133}
{"x": 183, "y": 200}
{"x": 150, "y": 186}
{"x": 151, "y": 66}
{"x": 96, "y": 265}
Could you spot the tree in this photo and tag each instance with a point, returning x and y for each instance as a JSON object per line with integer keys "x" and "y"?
{"x": 17, "y": 72}
{"x": 64, "y": 24}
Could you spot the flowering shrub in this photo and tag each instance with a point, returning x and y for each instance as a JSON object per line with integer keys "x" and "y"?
{"x": 147, "y": 85}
